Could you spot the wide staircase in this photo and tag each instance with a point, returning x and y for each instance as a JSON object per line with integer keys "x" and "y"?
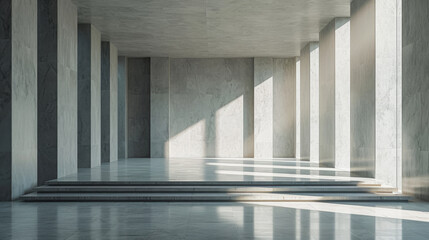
{"x": 228, "y": 191}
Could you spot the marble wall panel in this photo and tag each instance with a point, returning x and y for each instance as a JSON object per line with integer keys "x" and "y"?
{"x": 138, "y": 107}
{"x": 263, "y": 107}
{"x": 284, "y": 81}
{"x": 160, "y": 106}
{"x": 113, "y": 103}
{"x": 415, "y": 93}
{"x": 105, "y": 101}
{"x": 23, "y": 96}
{"x": 122, "y": 107}
{"x": 208, "y": 107}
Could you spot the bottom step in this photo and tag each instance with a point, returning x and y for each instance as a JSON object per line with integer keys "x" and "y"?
{"x": 212, "y": 197}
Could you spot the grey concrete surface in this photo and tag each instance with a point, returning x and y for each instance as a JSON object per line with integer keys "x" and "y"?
{"x": 160, "y": 107}
{"x": 18, "y": 97}
{"x": 415, "y": 86}
{"x": 122, "y": 107}
{"x": 89, "y": 96}
{"x": 138, "y": 107}
{"x": 199, "y": 28}
{"x": 209, "y": 107}
{"x": 335, "y": 94}
{"x": 57, "y": 89}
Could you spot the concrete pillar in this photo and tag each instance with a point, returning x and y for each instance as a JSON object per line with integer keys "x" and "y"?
{"x": 284, "y": 81}
{"x": 18, "y": 97}
{"x": 298, "y": 108}
{"x": 335, "y": 94}
{"x": 89, "y": 96}
{"x": 309, "y": 76}
{"x": 263, "y": 107}
{"x": 160, "y": 107}
{"x": 57, "y": 89}
{"x": 415, "y": 96}
{"x": 374, "y": 90}
{"x": 138, "y": 107}
{"x": 109, "y": 102}
{"x": 122, "y": 107}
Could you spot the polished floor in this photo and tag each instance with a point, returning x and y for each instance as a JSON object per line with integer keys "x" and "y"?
{"x": 213, "y": 220}
{"x": 108, "y": 220}
{"x": 211, "y": 169}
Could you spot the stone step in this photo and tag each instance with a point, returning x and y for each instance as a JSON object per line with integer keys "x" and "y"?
{"x": 210, "y": 183}
{"x": 214, "y": 189}
{"x": 213, "y": 197}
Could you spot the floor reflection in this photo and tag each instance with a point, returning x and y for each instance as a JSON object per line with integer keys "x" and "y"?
{"x": 128, "y": 220}
{"x": 211, "y": 169}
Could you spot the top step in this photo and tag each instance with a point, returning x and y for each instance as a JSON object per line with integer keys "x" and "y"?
{"x": 210, "y": 183}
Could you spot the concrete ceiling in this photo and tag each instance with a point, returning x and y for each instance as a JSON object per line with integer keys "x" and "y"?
{"x": 211, "y": 28}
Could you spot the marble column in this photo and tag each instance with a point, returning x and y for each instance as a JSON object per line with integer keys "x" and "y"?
{"x": 374, "y": 90}
{"x": 263, "y": 107}
{"x": 109, "y": 102}
{"x": 415, "y": 98}
{"x": 335, "y": 94}
{"x": 309, "y": 76}
{"x": 57, "y": 89}
{"x": 159, "y": 107}
{"x": 18, "y": 97}
{"x": 89, "y": 96}
{"x": 138, "y": 107}
{"x": 284, "y": 81}
{"x": 122, "y": 107}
